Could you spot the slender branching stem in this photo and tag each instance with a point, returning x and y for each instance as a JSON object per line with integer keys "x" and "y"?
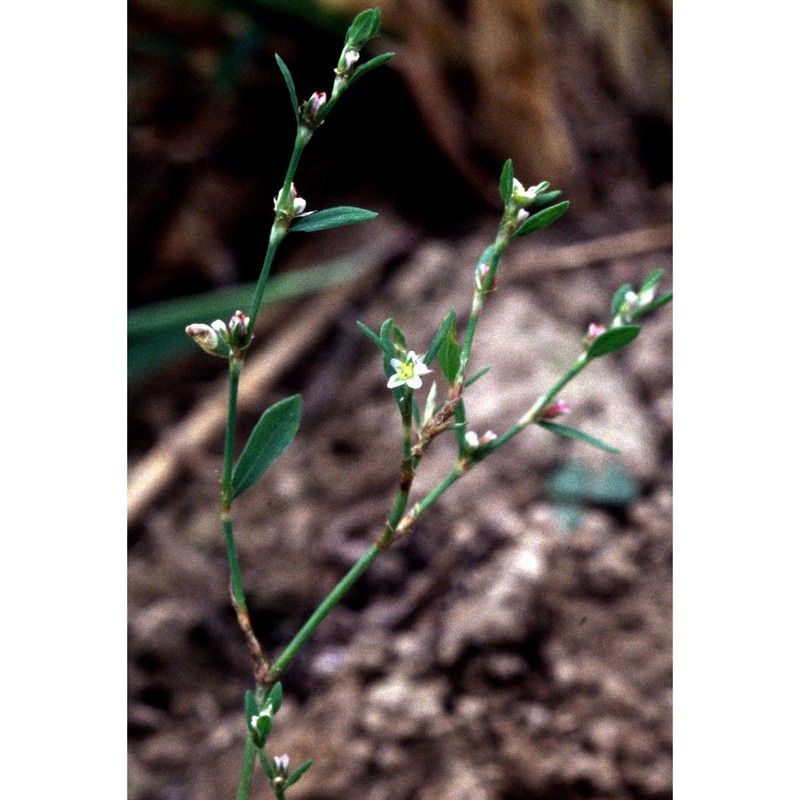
{"x": 246, "y": 773}
{"x": 356, "y": 571}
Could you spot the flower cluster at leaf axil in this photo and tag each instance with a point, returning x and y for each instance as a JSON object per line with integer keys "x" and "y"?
{"x": 220, "y": 339}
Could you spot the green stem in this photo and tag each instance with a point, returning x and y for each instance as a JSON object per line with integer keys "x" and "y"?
{"x": 246, "y": 773}
{"x": 226, "y": 493}
{"x": 283, "y": 213}
{"x": 322, "y": 611}
{"x": 480, "y": 293}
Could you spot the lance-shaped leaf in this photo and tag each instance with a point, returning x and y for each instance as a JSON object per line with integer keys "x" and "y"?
{"x": 619, "y": 298}
{"x": 250, "y": 707}
{"x": 370, "y": 65}
{"x": 331, "y": 218}
{"x": 507, "y": 182}
{"x": 612, "y": 339}
{"x": 547, "y": 197}
{"x": 287, "y": 76}
{"x": 450, "y": 354}
{"x": 436, "y": 343}
{"x": 477, "y": 376}
{"x": 574, "y": 433}
{"x": 275, "y": 698}
{"x": 272, "y": 434}
{"x": 298, "y": 773}
{"x": 364, "y": 27}
{"x": 542, "y": 219}
{"x": 387, "y": 348}
{"x": 652, "y": 280}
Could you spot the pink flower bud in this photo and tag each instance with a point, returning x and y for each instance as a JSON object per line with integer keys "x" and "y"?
{"x": 238, "y": 329}
{"x": 556, "y": 410}
{"x": 209, "y": 339}
{"x": 480, "y": 276}
{"x": 594, "y": 331}
{"x": 312, "y": 109}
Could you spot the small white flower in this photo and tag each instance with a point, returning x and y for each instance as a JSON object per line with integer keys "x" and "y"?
{"x": 526, "y": 196}
{"x": 408, "y": 371}
{"x": 281, "y": 764}
{"x": 351, "y": 57}
{"x": 473, "y": 442}
{"x": 647, "y": 297}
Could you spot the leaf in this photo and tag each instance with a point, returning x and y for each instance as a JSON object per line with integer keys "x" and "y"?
{"x": 450, "y": 354}
{"x": 542, "y": 219}
{"x": 415, "y": 411}
{"x": 438, "y": 338}
{"x": 331, "y": 218}
{"x": 399, "y": 337}
{"x": 298, "y": 773}
{"x": 477, "y": 376}
{"x": 652, "y": 280}
{"x": 612, "y": 339}
{"x": 373, "y": 337}
{"x": 275, "y": 698}
{"x": 250, "y": 707}
{"x": 365, "y": 27}
{"x": 272, "y": 434}
{"x": 487, "y": 255}
{"x": 265, "y": 765}
{"x": 370, "y": 65}
{"x": 507, "y": 182}
{"x": 574, "y": 433}
{"x": 287, "y": 76}
{"x": 386, "y": 336}
{"x": 619, "y": 298}
{"x": 544, "y": 199}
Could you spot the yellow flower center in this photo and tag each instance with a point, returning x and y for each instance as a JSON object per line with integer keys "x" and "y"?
{"x": 405, "y": 371}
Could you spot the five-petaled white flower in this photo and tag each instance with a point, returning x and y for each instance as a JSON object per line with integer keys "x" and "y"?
{"x": 408, "y": 371}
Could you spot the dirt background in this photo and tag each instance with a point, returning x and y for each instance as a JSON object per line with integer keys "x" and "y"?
{"x": 518, "y": 644}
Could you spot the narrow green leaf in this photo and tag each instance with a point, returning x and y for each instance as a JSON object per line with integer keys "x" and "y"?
{"x": 507, "y": 182}
{"x": 476, "y": 376}
{"x": 613, "y": 339}
{"x": 619, "y": 298}
{"x": 450, "y": 354}
{"x": 661, "y": 301}
{"x": 272, "y": 434}
{"x": 652, "y": 280}
{"x": 287, "y": 76}
{"x": 364, "y": 27}
{"x": 265, "y": 765}
{"x": 415, "y": 411}
{"x": 547, "y": 197}
{"x": 298, "y": 773}
{"x": 373, "y": 337}
{"x": 386, "y": 336}
{"x": 275, "y": 698}
{"x": 574, "y": 433}
{"x": 438, "y": 338}
{"x": 651, "y": 307}
{"x": 331, "y": 218}
{"x": 250, "y": 707}
{"x": 370, "y": 65}
{"x": 487, "y": 255}
{"x": 542, "y": 219}
{"x": 399, "y": 337}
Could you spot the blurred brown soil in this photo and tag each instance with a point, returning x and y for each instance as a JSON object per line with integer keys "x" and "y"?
{"x": 494, "y": 654}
